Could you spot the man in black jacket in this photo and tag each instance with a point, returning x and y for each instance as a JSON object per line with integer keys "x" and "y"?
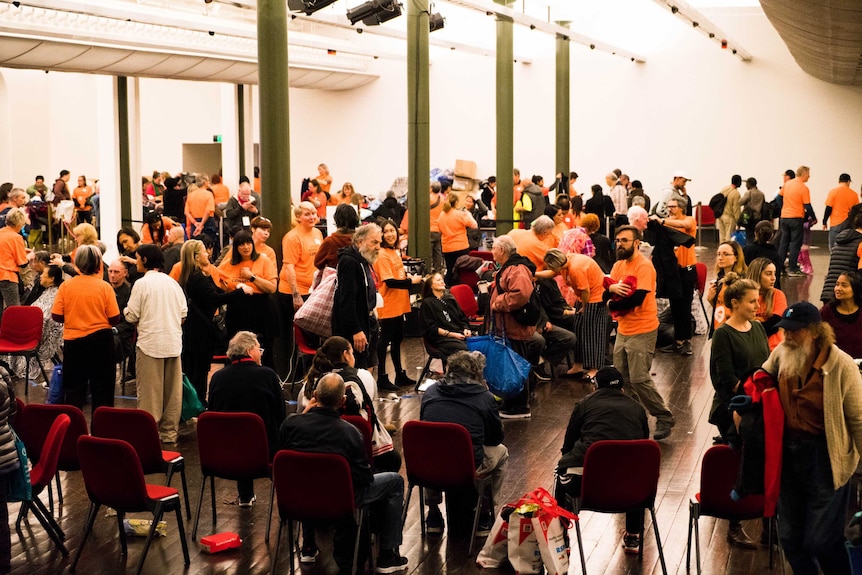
{"x": 462, "y": 397}
{"x": 320, "y": 429}
{"x": 353, "y": 315}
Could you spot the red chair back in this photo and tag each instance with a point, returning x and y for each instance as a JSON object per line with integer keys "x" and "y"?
{"x": 137, "y": 428}
{"x": 438, "y": 455}
{"x": 364, "y": 427}
{"x": 233, "y": 445}
{"x": 312, "y": 485}
{"x": 487, "y": 256}
{"x": 717, "y": 477}
{"x": 20, "y": 328}
{"x": 620, "y": 475}
{"x": 299, "y": 338}
{"x": 700, "y": 268}
{"x": 704, "y": 215}
{"x": 44, "y": 471}
{"x": 38, "y": 419}
{"x": 112, "y": 473}
{"x": 466, "y": 301}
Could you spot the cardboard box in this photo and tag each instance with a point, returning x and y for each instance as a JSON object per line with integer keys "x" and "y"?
{"x": 461, "y": 184}
{"x": 220, "y": 542}
{"x": 465, "y": 169}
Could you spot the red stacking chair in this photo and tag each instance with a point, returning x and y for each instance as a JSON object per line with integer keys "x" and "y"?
{"x": 705, "y": 218}
{"x": 305, "y": 352}
{"x": 232, "y": 446}
{"x": 440, "y": 456}
{"x": 139, "y": 429}
{"x": 113, "y": 477}
{"x": 40, "y": 477}
{"x": 364, "y": 427}
{"x": 20, "y": 335}
{"x": 313, "y": 487}
{"x": 469, "y": 277}
{"x": 33, "y": 428}
{"x": 620, "y": 476}
{"x": 467, "y": 302}
{"x": 700, "y": 269}
{"x": 433, "y": 353}
{"x": 718, "y": 475}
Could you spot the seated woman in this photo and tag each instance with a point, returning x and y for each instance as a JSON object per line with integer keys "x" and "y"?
{"x": 155, "y": 229}
{"x": 52, "y": 332}
{"x": 446, "y": 326}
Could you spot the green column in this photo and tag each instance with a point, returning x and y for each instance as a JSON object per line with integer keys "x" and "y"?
{"x": 563, "y": 128}
{"x": 274, "y": 128}
{"x": 418, "y": 132}
{"x": 123, "y": 150}
{"x": 505, "y": 120}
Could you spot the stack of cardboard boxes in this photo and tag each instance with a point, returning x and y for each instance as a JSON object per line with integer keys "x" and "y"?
{"x": 465, "y": 181}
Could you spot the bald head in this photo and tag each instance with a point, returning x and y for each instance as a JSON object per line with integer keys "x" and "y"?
{"x": 330, "y": 391}
{"x": 117, "y": 273}
{"x": 175, "y": 235}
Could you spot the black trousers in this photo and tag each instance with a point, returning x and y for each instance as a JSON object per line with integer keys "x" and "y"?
{"x": 391, "y": 333}
{"x": 680, "y": 307}
{"x": 89, "y": 362}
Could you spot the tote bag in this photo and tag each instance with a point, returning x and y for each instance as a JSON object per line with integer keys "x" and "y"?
{"x": 315, "y": 315}
{"x": 20, "y": 488}
{"x": 506, "y": 372}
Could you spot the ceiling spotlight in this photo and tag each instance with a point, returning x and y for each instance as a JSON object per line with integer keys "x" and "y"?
{"x": 674, "y": 9}
{"x": 592, "y": 46}
{"x": 308, "y": 6}
{"x": 374, "y": 12}
{"x": 711, "y": 35}
{"x": 17, "y": 4}
{"x": 695, "y": 24}
{"x": 436, "y": 22}
{"x": 532, "y": 26}
{"x": 208, "y": 1}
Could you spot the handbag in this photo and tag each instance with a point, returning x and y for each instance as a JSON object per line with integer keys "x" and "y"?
{"x": 506, "y": 372}
{"x": 20, "y": 488}
{"x": 55, "y": 387}
{"x": 192, "y": 406}
{"x": 216, "y": 325}
{"x": 315, "y": 315}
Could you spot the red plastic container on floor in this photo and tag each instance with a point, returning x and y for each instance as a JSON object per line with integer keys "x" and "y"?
{"x": 220, "y": 542}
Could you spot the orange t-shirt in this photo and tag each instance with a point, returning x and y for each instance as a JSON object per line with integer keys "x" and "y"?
{"x": 582, "y": 272}
{"x": 779, "y": 304}
{"x": 434, "y": 214}
{"x": 687, "y": 256}
{"x": 256, "y": 186}
{"x": 86, "y": 303}
{"x": 396, "y": 302}
{"x": 840, "y": 199}
{"x": 262, "y": 266}
{"x": 321, "y": 198}
{"x": 559, "y": 230}
{"x": 453, "y": 229}
{"x": 80, "y": 195}
{"x": 147, "y": 237}
{"x": 796, "y": 195}
{"x": 643, "y": 318}
{"x": 200, "y": 203}
{"x": 13, "y": 255}
{"x": 532, "y": 247}
{"x": 265, "y": 250}
{"x": 213, "y": 271}
{"x": 299, "y": 248}
{"x": 221, "y": 193}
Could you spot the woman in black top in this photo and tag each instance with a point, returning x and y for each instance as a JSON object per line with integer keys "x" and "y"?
{"x": 446, "y": 326}
{"x": 601, "y": 205}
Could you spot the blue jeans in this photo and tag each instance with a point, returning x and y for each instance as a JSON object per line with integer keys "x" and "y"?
{"x": 811, "y": 514}
{"x": 791, "y": 241}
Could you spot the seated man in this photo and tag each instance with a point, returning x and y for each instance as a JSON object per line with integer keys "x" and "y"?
{"x": 245, "y": 385}
{"x": 607, "y": 413}
{"x": 462, "y": 397}
{"x": 320, "y": 429}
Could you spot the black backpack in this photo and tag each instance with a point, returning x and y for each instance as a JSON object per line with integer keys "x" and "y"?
{"x": 717, "y": 203}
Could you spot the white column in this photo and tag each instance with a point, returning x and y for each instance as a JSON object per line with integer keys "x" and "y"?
{"x": 135, "y": 172}
{"x": 230, "y": 137}
{"x": 108, "y": 160}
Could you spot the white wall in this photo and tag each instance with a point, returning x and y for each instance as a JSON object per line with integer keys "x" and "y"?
{"x": 691, "y": 106}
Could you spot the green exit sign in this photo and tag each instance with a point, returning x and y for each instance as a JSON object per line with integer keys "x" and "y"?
{"x": 217, "y": 138}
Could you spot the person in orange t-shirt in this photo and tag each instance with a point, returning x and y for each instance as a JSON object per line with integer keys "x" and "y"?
{"x": 838, "y": 204}
{"x": 200, "y": 209}
{"x": 87, "y": 308}
{"x": 534, "y": 243}
{"x": 81, "y": 196}
{"x": 261, "y": 227}
{"x": 298, "y": 248}
{"x": 452, "y": 224}
{"x": 796, "y": 205}
{"x": 394, "y": 287}
{"x": 324, "y": 179}
{"x": 155, "y": 229}
{"x": 680, "y": 303}
{"x": 221, "y": 193}
{"x": 13, "y": 257}
{"x": 638, "y": 326}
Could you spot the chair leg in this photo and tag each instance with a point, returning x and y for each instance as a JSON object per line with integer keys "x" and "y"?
{"x": 59, "y": 489}
{"x": 292, "y": 542}
{"x": 406, "y": 505}
{"x": 580, "y": 546}
{"x": 22, "y": 513}
{"x": 185, "y": 491}
{"x": 697, "y": 541}
{"x": 277, "y": 545}
{"x": 475, "y": 522}
{"x": 212, "y": 500}
{"x": 123, "y": 547}
{"x": 356, "y": 543}
{"x": 40, "y": 507}
{"x": 200, "y": 504}
{"x": 157, "y": 516}
{"x": 91, "y": 518}
{"x": 26, "y": 376}
{"x": 269, "y": 515}
{"x": 182, "y": 531}
{"x": 46, "y": 524}
{"x": 51, "y": 493}
{"x": 422, "y": 509}
{"x": 424, "y": 373}
{"x": 657, "y": 540}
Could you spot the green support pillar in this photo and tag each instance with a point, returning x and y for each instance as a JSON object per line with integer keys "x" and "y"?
{"x": 124, "y": 152}
{"x": 418, "y": 131}
{"x": 563, "y": 127}
{"x": 505, "y": 120}
{"x": 274, "y": 125}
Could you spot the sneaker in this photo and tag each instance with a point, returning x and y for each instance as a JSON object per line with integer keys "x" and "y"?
{"x": 796, "y": 274}
{"x": 390, "y": 562}
{"x": 401, "y": 380}
{"x": 434, "y": 523}
{"x": 672, "y": 348}
{"x": 540, "y": 373}
{"x": 515, "y": 413}
{"x": 685, "y": 348}
{"x": 662, "y": 431}
{"x": 631, "y": 543}
{"x": 308, "y": 554}
{"x": 249, "y": 503}
{"x": 737, "y": 536}
{"x": 385, "y": 386}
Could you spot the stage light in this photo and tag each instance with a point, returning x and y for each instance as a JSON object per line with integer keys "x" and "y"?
{"x": 374, "y": 12}
{"x": 436, "y": 22}
{"x": 308, "y": 6}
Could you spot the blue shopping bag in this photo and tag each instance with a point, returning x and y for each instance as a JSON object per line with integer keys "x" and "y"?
{"x": 55, "y": 386}
{"x": 506, "y": 372}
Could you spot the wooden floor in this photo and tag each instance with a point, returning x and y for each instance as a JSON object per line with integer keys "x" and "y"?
{"x": 534, "y": 447}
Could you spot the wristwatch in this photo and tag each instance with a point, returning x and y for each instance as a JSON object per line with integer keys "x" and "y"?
{"x": 252, "y": 278}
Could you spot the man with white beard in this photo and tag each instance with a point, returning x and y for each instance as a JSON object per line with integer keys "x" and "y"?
{"x": 821, "y": 394}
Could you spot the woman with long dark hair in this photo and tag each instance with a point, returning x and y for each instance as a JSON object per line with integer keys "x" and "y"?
{"x": 446, "y": 326}
{"x": 843, "y": 313}
{"x": 253, "y": 313}
{"x": 771, "y": 301}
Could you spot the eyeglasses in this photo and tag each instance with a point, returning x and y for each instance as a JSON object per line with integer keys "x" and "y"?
{"x": 623, "y": 241}
{"x": 724, "y": 254}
